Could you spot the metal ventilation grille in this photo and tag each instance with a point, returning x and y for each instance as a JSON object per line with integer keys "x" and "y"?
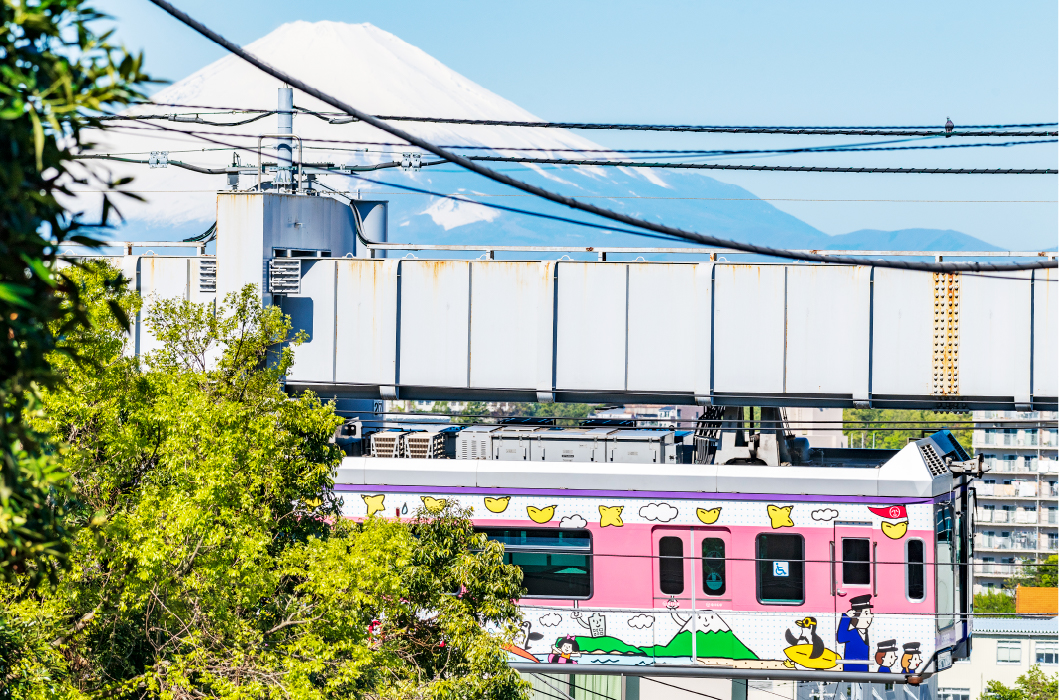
{"x": 930, "y": 456}
{"x": 474, "y": 448}
{"x": 425, "y": 445}
{"x": 208, "y": 276}
{"x": 387, "y": 444}
{"x": 284, "y": 276}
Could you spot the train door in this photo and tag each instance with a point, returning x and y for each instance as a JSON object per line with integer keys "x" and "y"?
{"x": 691, "y": 567}
{"x": 854, "y": 586}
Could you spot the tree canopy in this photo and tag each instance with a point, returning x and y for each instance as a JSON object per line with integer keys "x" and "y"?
{"x": 57, "y": 73}
{"x": 210, "y": 556}
{"x": 1035, "y": 684}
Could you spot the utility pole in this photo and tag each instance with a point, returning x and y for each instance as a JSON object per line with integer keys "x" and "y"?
{"x": 284, "y": 147}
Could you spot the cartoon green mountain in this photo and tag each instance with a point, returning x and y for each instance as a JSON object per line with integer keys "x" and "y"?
{"x": 715, "y": 644}
{"x": 606, "y": 645}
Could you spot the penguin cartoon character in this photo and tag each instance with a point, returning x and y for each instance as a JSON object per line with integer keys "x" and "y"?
{"x": 809, "y": 625}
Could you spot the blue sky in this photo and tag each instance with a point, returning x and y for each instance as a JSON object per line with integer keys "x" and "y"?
{"x": 765, "y": 63}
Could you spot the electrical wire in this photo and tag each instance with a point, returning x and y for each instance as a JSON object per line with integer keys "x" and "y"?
{"x": 513, "y": 210}
{"x": 179, "y": 118}
{"x": 686, "y": 690}
{"x": 928, "y": 126}
{"x": 774, "y": 168}
{"x": 703, "y": 153}
{"x": 850, "y": 148}
{"x": 567, "y": 201}
{"x": 793, "y": 130}
{"x": 705, "y": 166}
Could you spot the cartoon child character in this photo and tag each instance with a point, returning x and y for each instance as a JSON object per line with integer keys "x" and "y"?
{"x": 886, "y": 655}
{"x": 911, "y": 659}
{"x": 565, "y": 651}
{"x": 853, "y": 632}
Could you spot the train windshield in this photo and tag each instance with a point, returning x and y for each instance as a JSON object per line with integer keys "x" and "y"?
{"x": 555, "y": 563}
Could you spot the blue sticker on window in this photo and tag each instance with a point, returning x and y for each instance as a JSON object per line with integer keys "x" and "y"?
{"x": 781, "y": 568}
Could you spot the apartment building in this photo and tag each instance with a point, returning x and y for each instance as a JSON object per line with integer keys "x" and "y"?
{"x": 1003, "y": 650}
{"x": 1017, "y": 516}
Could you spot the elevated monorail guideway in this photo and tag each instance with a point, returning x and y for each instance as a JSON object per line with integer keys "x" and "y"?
{"x": 551, "y": 328}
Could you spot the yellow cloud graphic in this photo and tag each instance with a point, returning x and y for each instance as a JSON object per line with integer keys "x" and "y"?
{"x": 610, "y": 515}
{"x": 780, "y": 517}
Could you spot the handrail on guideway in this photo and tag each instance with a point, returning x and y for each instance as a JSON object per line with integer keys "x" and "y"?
{"x": 602, "y": 251}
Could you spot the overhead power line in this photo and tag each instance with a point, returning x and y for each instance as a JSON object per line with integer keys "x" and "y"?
{"x": 928, "y": 130}
{"x": 850, "y": 148}
{"x": 183, "y": 118}
{"x": 776, "y": 168}
{"x": 568, "y": 201}
{"x": 792, "y": 130}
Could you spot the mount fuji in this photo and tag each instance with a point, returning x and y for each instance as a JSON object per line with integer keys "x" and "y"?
{"x": 381, "y": 74}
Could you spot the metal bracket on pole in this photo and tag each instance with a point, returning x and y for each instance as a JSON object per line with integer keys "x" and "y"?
{"x": 301, "y": 157}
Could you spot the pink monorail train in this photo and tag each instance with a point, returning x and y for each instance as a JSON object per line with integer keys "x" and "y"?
{"x": 853, "y": 567}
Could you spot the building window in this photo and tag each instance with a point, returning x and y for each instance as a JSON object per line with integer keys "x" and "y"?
{"x": 555, "y": 563}
{"x": 671, "y": 565}
{"x": 713, "y": 578}
{"x": 954, "y": 694}
{"x": 780, "y": 569}
{"x": 916, "y": 580}
{"x": 1008, "y": 652}
{"x": 1046, "y": 653}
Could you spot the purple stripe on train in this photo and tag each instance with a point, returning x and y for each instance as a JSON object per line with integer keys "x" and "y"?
{"x": 638, "y": 494}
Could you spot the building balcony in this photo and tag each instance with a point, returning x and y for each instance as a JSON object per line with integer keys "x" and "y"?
{"x": 1024, "y": 517}
{"x": 984, "y": 543}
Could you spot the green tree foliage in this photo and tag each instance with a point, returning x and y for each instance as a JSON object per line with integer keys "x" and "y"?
{"x": 567, "y": 413}
{"x": 1043, "y": 574}
{"x": 994, "y": 603}
{"x": 55, "y": 72}
{"x": 1035, "y": 684}
{"x": 893, "y": 431}
{"x": 472, "y": 412}
{"x": 213, "y": 560}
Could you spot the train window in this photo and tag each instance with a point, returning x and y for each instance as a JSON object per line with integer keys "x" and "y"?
{"x": 555, "y": 563}
{"x": 713, "y": 580}
{"x": 671, "y": 565}
{"x": 856, "y": 561}
{"x": 944, "y": 578}
{"x": 915, "y": 580}
{"x": 781, "y": 569}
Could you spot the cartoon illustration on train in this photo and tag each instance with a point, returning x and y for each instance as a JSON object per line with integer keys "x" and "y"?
{"x": 846, "y": 566}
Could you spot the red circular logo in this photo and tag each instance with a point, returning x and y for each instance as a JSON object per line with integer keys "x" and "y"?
{"x": 895, "y": 512}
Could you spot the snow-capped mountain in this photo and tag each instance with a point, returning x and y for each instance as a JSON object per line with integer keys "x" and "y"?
{"x": 381, "y": 74}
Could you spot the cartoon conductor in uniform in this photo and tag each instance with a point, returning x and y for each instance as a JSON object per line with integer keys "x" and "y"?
{"x": 911, "y": 659}
{"x": 853, "y": 632}
{"x": 886, "y": 655}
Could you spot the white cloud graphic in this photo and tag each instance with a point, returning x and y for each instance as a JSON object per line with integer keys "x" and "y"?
{"x": 573, "y": 521}
{"x": 825, "y": 514}
{"x": 641, "y": 621}
{"x": 662, "y": 512}
{"x": 549, "y": 619}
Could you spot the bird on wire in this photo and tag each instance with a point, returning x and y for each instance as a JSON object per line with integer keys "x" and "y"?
{"x": 948, "y": 126}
